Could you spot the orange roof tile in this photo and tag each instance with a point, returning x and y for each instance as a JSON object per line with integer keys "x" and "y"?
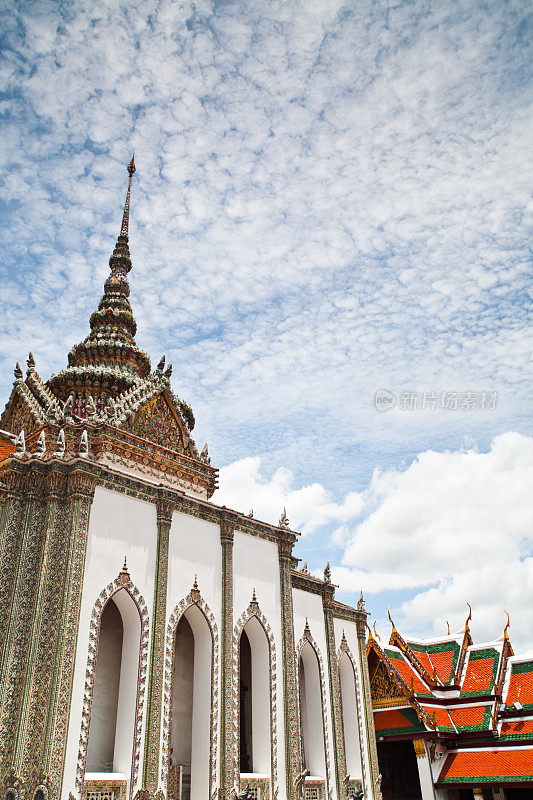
{"x": 487, "y": 766}
{"x": 407, "y": 673}
{"x": 471, "y": 717}
{"x": 441, "y": 717}
{"x": 6, "y": 448}
{"x": 521, "y": 684}
{"x": 441, "y": 656}
{"x": 517, "y": 729}
{"x": 397, "y": 721}
{"x": 480, "y": 672}
{"x": 445, "y": 663}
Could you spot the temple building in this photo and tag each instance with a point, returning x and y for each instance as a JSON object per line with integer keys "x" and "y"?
{"x": 152, "y": 643}
{"x": 454, "y": 720}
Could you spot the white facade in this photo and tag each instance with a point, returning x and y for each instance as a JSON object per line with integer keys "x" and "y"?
{"x": 121, "y": 567}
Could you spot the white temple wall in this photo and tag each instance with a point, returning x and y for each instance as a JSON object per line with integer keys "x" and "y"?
{"x": 194, "y": 549}
{"x": 119, "y": 526}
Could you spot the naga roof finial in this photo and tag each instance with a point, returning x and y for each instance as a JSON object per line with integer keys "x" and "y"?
{"x": 505, "y": 634}
{"x": 467, "y": 626}
{"x": 391, "y": 622}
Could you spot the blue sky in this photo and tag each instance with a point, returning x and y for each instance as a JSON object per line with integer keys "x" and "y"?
{"x": 331, "y": 198}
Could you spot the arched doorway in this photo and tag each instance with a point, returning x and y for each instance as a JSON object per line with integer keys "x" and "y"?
{"x": 255, "y": 724}
{"x": 311, "y": 716}
{"x": 352, "y": 745}
{"x": 114, "y": 696}
{"x": 190, "y": 733}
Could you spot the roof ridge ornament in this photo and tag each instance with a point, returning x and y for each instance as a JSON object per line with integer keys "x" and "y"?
{"x": 392, "y": 622}
{"x": 469, "y": 618}
{"x": 508, "y": 625}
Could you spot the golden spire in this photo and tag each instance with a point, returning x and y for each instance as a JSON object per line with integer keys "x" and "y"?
{"x": 126, "y": 214}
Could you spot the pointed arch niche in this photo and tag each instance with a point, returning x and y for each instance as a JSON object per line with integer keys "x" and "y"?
{"x": 313, "y": 714}
{"x": 115, "y": 683}
{"x": 351, "y": 711}
{"x": 254, "y": 706}
{"x": 190, "y": 700}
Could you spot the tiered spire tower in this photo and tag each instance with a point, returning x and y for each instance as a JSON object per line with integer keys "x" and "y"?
{"x": 108, "y": 361}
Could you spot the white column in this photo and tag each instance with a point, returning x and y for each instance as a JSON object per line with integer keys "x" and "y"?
{"x": 424, "y": 769}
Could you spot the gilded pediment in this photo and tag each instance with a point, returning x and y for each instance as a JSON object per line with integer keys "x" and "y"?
{"x": 384, "y": 690}
{"x": 157, "y": 421}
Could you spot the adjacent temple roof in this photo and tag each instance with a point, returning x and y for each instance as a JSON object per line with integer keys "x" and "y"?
{"x": 108, "y": 385}
{"x": 477, "y": 700}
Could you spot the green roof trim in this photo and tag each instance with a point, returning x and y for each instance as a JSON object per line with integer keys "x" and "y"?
{"x": 488, "y": 779}
{"x": 520, "y": 669}
{"x": 508, "y": 737}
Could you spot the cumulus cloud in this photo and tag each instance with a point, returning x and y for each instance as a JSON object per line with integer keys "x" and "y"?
{"x": 243, "y": 486}
{"x": 452, "y": 527}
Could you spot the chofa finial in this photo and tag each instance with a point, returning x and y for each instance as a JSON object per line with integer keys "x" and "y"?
{"x": 284, "y": 521}
{"x": 327, "y": 573}
{"x": 391, "y": 622}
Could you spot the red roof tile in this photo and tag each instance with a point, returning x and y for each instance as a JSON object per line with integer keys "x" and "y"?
{"x": 441, "y": 717}
{"x": 471, "y": 717}
{"x": 6, "y": 448}
{"x": 480, "y": 672}
{"x": 441, "y": 656}
{"x": 407, "y": 673}
{"x": 487, "y": 766}
{"x": 517, "y": 729}
{"x": 521, "y": 684}
{"x": 397, "y": 721}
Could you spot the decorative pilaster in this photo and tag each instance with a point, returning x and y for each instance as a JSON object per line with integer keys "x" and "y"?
{"x": 80, "y": 493}
{"x": 29, "y": 706}
{"x": 227, "y": 533}
{"x": 152, "y": 745}
{"x": 17, "y": 635}
{"x": 328, "y": 592}
{"x": 373, "y": 792}
{"x": 17, "y": 517}
{"x": 293, "y": 758}
{"x": 10, "y": 546}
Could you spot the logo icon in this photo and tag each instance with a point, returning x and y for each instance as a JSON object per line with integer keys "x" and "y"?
{"x": 384, "y": 400}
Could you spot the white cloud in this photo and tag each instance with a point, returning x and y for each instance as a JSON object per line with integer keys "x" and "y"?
{"x": 452, "y": 527}
{"x": 242, "y": 486}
